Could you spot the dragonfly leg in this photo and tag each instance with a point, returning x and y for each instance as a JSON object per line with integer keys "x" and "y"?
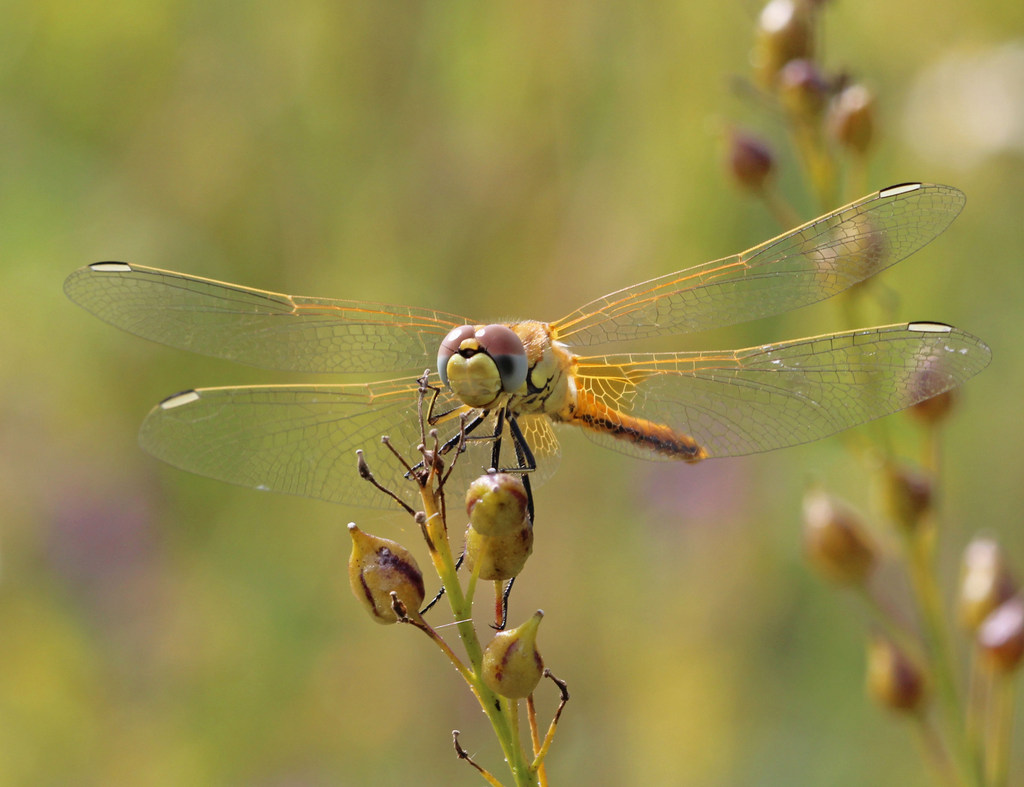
{"x": 527, "y": 462}
{"x": 499, "y": 427}
{"x": 501, "y": 606}
{"x": 455, "y": 440}
{"x": 440, "y": 593}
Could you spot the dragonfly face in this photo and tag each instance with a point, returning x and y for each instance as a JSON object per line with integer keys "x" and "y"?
{"x": 301, "y": 439}
{"x": 480, "y": 363}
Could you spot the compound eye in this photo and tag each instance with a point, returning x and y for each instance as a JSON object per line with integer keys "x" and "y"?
{"x": 505, "y": 348}
{"x": 449, "y": 346}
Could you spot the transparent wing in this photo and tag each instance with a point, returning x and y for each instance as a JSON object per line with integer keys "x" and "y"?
{"x": 805, "y": 265}
{"x": 762, "y": 398}
{"x": 302, "y": 439}
{"x": 259, "y": 328}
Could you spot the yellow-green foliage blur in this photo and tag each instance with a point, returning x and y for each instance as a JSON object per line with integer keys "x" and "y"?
{"x": 495, "y": 159}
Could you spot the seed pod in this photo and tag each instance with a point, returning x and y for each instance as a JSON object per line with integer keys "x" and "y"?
{"x": 835, "y": 541}
{"x": 1001, "y": 635}
{"x": 512, "y": 667}
{"x": 851, "y": 118}
{"x": 379, "y": 567}
{"x": 802, "y": 89}
{"x": 497, "y": 503}
{"x": 985, "y": 581}
{"x": 908, "y": 495}
{"x": 785, "y": 32}
{"x": 751, "y": 160}
{"x": 501, "y": 556}
{"x": 893, "y": 680}
{"x": 935, "y": 409}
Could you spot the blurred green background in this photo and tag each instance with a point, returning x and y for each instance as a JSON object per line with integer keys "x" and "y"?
{"x": 501, "y": 160}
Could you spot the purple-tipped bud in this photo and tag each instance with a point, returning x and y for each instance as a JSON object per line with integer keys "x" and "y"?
{"x": 985, "y": 581}
{"x": 893, "y": 679}
{"x": 379, "y": 567}
{"x": 851, "y": 118}
{"x": 512, "y": 667}
{"x": 1001, "y": 635}
{"x": 802, "y": 88}
{"x": 751, "y": 160}
{"x": 497, "y": 503}
{"x": 835, "y": 541}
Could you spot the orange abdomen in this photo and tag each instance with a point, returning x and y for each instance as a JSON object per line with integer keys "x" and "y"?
{"x": 590, "y": 413}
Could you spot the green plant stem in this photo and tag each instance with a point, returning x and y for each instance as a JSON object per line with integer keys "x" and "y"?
{"x": 979, "y": 690}
{"x": 857, "y": 175}
{"x": 497, "y": 709}
{"x": 785, "y": 215}
{"x": 935, "y": 750}
{"x": 892, "y": 623}
{"x": 817, "y": 163}
{"x": 998, "y": 730}
{"x": 922, "y": 575}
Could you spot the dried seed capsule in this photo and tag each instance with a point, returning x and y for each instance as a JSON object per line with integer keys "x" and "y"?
{"x": 500, "y": 556}
{"x": 379, "y": 567}
{"x": 751, "y": 160}
{"x": 985, "y": 581}
{"x": 892, "y": 678}
{"x": 908, "y": 495}
{"x": 1001, "y": 635}
{"x": 835, "y": 541}
{"x": 497, "y": 503}
{"x": 512, "y": 667}
{"x": 851, "y": 118}
{"x": 933, "y": 410}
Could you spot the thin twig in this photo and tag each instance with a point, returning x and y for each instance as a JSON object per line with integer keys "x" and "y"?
{"x": 366, "y": 475}
{"x": 464, "y": 755}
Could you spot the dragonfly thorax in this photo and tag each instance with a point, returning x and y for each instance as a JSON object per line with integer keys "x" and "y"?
{"x": 548, "y": 387}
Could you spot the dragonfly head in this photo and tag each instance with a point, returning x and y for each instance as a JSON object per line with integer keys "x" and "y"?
{"x": 479, "y": 363}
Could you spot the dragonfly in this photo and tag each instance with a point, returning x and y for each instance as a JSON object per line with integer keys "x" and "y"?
{"x": 513, "y": 382}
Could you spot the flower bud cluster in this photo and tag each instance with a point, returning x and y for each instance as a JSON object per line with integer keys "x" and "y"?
{"x": 819, "y": 104}
{"x": 991, "y": 607}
